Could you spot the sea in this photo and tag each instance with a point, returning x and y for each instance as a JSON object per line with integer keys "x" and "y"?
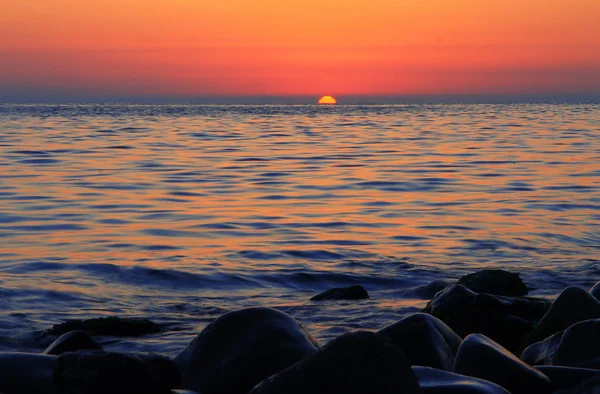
{"x": 180, "y": 213}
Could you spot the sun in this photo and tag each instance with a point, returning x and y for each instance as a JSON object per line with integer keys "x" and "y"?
{"x": 327, "y": 100}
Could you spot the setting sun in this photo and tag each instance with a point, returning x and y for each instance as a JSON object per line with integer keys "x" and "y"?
{"x": 327, "y": 100}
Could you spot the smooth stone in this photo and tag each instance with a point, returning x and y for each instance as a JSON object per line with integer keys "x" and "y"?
{"x": 498, "y": 282}
{"x": 241, "y": 348}
{"x": 342, "y": 293}
{"x": 566, "y": 377}
{"x": 25, "y": 373}
{"x": 99, "y": 372}
{"x": 113, "y": 326}
{"x": 435, "y": 381}
{"x": 431, "y": 289}
{"x": 542, "y": 353}
{"x": 506, "y": 320}
{"x": 580, "y": 346}
{"x": 572, "y": 306}
{"x": 480, "y": 357}
{"x": 354, "y": 363}
{"x": 595, "y": 291}
{"x": 425, "y": 340}
{"x": 72, "y": 341}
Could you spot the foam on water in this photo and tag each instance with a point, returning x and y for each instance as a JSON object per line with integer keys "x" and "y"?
{"x": 181, "y": 213}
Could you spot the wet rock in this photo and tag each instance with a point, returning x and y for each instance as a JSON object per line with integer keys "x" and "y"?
{"x": 99, "y": 372}
{"x": 572, "y": 306}
{"x": 24, "y": 373}
{"x": 354, "y": 363}
{"x": 72, "y": 341}
{"x": 342, "y": 293}
{"x": 498, "y": 282}
{"x": 241, "y": 348}
{"x": 506, "y": 320}
{"x": 435, "y": 381}
{"x": 542, "y": 353}
{"x": 425, "y": 340}
{"x": 113, "y": 326}
{"x": 430, "y": 289}
{"x": 567, "y": 377}
{"x": 595, "y": 291}
{"x": 577, "y": 346}
{"x": 482, "y": 358}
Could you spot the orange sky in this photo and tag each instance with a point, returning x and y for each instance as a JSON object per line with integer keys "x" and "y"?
{"x": 190, "y": 48}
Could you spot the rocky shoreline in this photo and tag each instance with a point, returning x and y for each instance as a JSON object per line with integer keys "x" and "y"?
{"x": 482, "y": 334}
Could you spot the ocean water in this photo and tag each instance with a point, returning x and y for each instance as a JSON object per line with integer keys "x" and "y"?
{"x": 181, "y": 213}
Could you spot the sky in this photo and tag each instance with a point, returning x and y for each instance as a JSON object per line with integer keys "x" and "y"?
{"x": 197, "y": 50}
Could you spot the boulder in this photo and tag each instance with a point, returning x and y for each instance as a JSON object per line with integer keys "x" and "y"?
{"x": 595, "y": 291}
{"x": 572, "y": 306}
{"x": 24, "y": 373}
{"x": 241, "y": 348}
{"x": 429, "y": 290}
{"x": 342, "y": 293}
{"x": 480, "y": 357}
{"x": 567, "y": 377}
{"x": 72, "y": 341}
{"x": 542, "y": 353}
{"x": 506, "y": 320}
{"x": 113, "y": 326}
{"x": 425, "y": 340}
{"x": 354, "y": 363}
{"x": 99, "y": 372}
{"x": 435, "y": 381}
{"x": 498, "y": 282}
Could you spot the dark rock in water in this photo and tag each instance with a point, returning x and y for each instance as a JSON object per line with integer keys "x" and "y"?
{"x": 72, "y": 341}
{"x": 354, "y": 363}
{"x": 572, "y": 306}
{"x": 542, "y": 353}
{"x": 343, "y": 293}
{"x": 24, "y": 373}
{"x": 425, "y": 340}
{"x": 98, "y": 372}
{"x": 506, "y": 320}
{"x": 567, "y": 377}
{"x": 595, "y": 291}
{"x": 431, "y": 289}
{"x": 498, "y": 282}
{"x": 114, "y": 326}
{"x": 480, "y": 357}
{"x": 242, "y": 348}
{"x": 435, "y": 381}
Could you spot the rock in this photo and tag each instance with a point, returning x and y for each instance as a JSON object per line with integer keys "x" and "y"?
{"x": 425, "y": 340}
{"x": 72, "y": 341}
{"x": 99, "y": 372}
{"x": 435, "y": 381}
{"x": 577, "y": 346}
{"x": 242, "y": 348}
{"x": 572, "y": 306}
{"x": 342, "y": 293}
{"x": 498, "y": 282}
{"x": 567, "y": 377}
{"x": 354, "y": 363}
{"x": 24, "y": 373}
{"x": 482, "y": 358}
{"x": 113, "y": 326}
{"x": 595, "y": 291}
{"x": 542, "y": 353}
{"x": 506, "y": 320}
{"x": 430, "y": 289}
